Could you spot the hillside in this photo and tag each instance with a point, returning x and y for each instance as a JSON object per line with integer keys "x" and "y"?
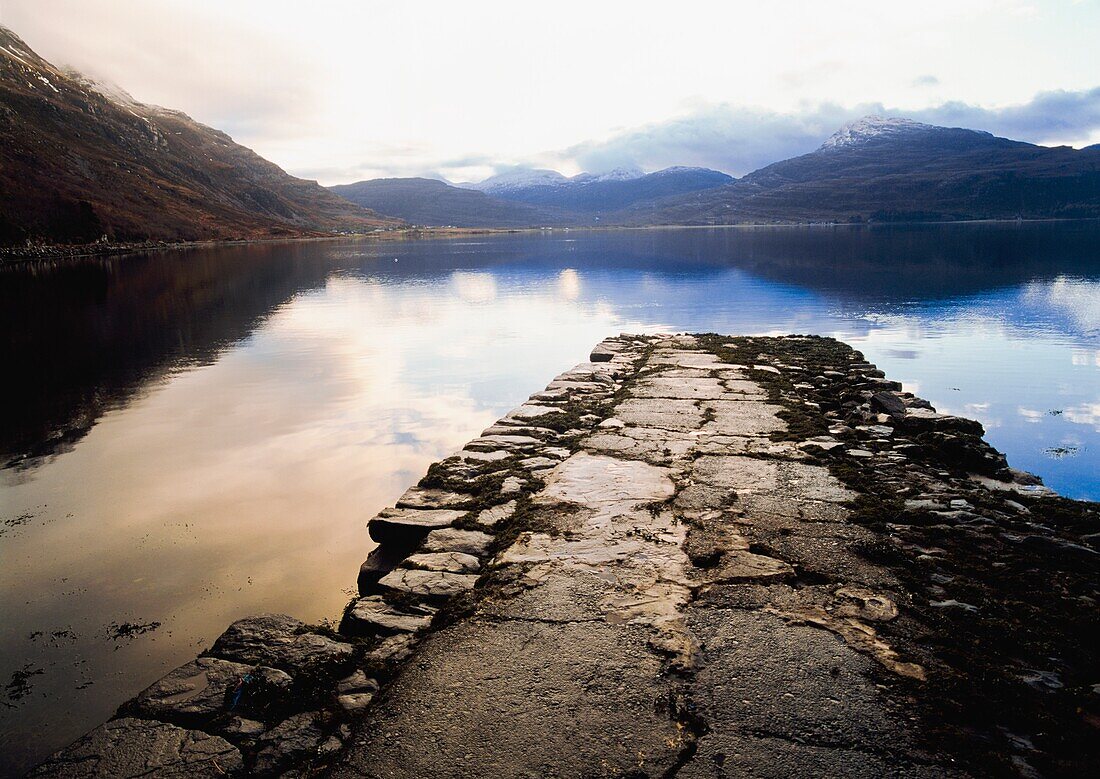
{"x": 79, "y": 160}
{"x": 435, "y": 203}
{"x": 896, "y": 169}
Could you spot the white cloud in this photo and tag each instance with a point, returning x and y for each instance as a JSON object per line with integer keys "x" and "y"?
{"x": 342, "y": 90}
{"x": 739, "y": 139}
{"x": 1085, "y": 414}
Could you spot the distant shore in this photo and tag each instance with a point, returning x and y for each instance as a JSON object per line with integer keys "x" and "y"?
{"x": 12, "y": 255}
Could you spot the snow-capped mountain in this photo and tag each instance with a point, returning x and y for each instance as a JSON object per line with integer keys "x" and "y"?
{"x": 892, "y": 169}
{"x": 615, "y": 174}
{"x": 594, "y": 194}
{"x": 518, "y": 178}
{"x": 874, "y": 129}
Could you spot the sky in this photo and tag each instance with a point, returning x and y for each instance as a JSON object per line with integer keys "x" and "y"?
{"x": 344, "y": 90}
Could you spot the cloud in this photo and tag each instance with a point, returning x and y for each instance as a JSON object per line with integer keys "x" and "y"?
{"x": 246, "y": 80}
{"x": 926, "y": 81}
{"x": 739, "y": 139}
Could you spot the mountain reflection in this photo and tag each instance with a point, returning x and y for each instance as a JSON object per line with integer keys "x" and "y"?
{"x": 81, "y": 338}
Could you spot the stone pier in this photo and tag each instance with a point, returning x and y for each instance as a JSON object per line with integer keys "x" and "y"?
{"x": 693, "y": 556}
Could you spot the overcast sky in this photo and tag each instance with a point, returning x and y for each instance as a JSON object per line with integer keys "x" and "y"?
{"x": 345, "y": 90}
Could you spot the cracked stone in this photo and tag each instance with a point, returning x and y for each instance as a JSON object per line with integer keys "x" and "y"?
{"x": 374, "y": 616}
{"x": 130, "y": 748}
{"x": 472, "y": 542}
{"x": 428, "y": 584}
{"x": 454, "y": 562}
{"x": 281, "y": 642}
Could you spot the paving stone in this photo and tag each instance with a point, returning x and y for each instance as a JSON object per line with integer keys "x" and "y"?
{"x": 428, "y": 584}
{"x": 454, "y": 562}
{"x": 472, "y": 542}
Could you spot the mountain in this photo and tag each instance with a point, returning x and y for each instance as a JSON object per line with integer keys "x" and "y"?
{"x": 435, "y": 203}
{"x": 589, "y": 196}
{"x": 517, "y": 180}
{"x": 616, "y": 174}
{"x": 80, "y": 160}
{"x": 524, "y": 198}
{"x": 879, "y": 169}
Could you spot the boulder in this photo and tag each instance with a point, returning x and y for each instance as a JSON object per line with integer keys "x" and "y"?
{"x": 192, "y": 694}
{"x": 283, "y": 642}
{"x": 354, "y": 702}
{"x": 357, "y": 682}
{"x": 888, "y": 403}
{"x": 602, "y": 354}
{"x": 492, "y": 516}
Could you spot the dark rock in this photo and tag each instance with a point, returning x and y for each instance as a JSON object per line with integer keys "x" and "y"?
{"x": 382, "y": 559}
{"x": 1065, "y": 553}
{"x": 888, "y": 403}
{"x": 192, "y": 694}
{"x": 282, "y": 642}
{"x": 130, "y": 748}
{"x": 923, "y": 420}
{"x": 292, "y": 741}
{"x": 1025, "y": 478}
{"x": 262, "y": 693}
{"x": 241, "y": 728}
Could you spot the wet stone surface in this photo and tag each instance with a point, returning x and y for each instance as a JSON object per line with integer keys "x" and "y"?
{"x": 693, "y": 556}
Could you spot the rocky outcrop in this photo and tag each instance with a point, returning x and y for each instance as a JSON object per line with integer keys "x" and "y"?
{"x": 695, "y": 556}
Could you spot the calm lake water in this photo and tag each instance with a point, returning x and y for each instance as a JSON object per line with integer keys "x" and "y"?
{"x": 190, "y": 437}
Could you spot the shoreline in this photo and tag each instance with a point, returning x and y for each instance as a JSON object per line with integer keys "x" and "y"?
{"x": 14, "y": 256}
{"x": 11, "y": 256}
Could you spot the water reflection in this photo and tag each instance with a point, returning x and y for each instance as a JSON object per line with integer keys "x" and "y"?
{"x": 200, "y": 435}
